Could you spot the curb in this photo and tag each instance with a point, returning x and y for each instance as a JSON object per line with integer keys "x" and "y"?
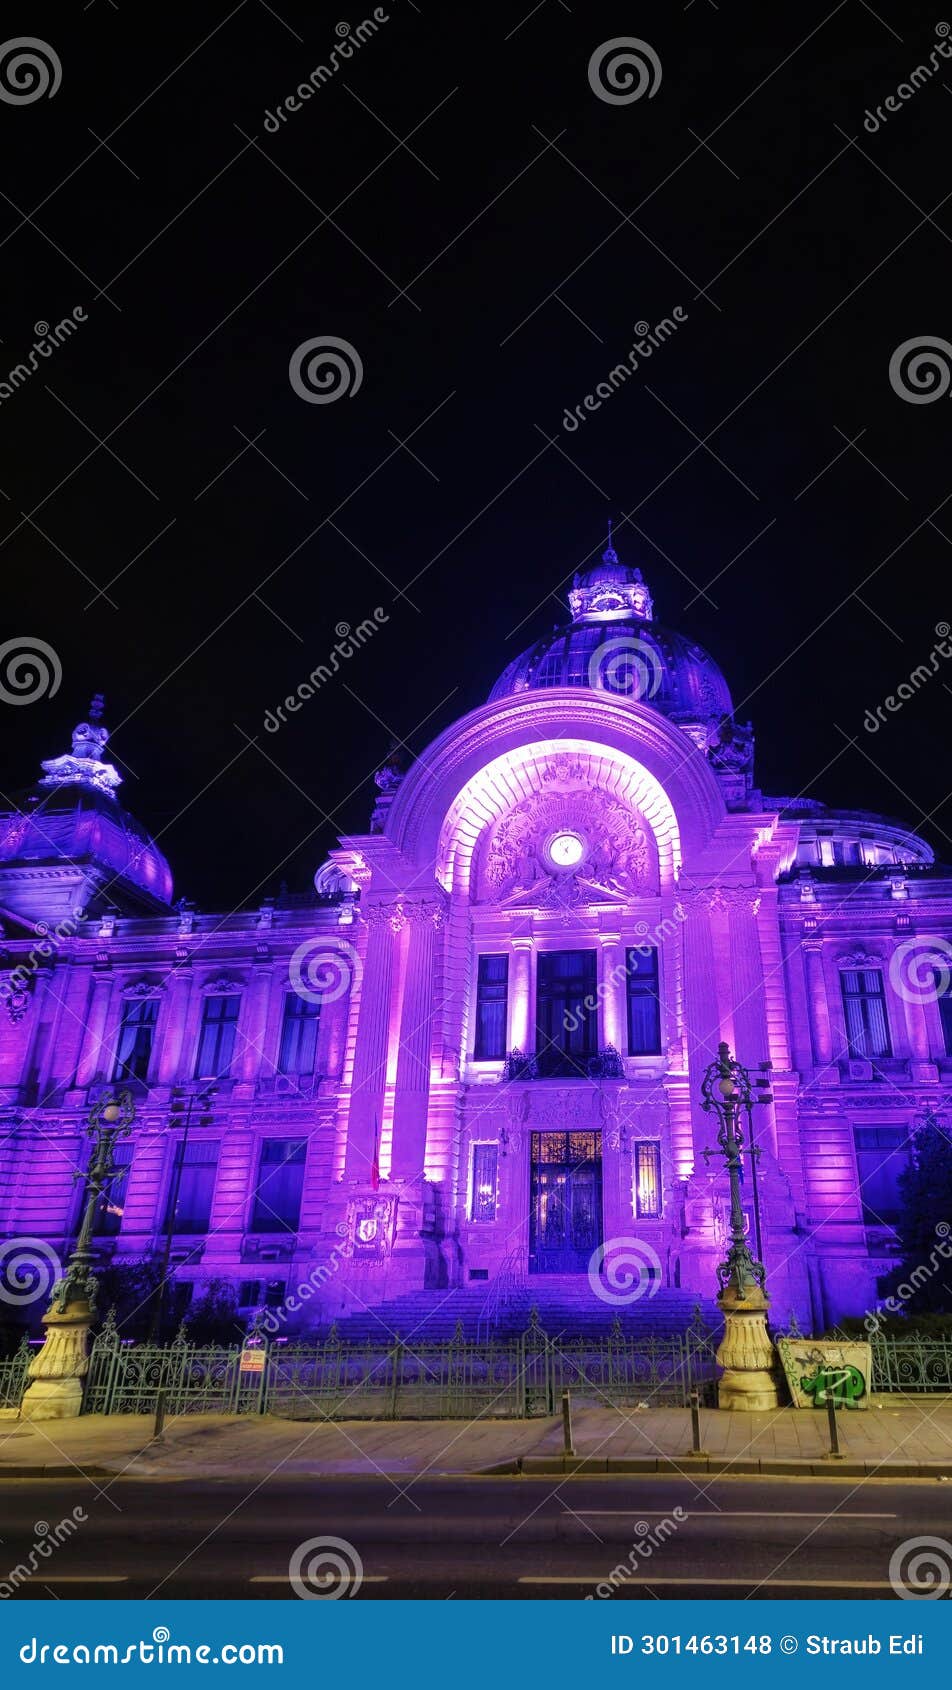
{"x": 684, "y": 1465}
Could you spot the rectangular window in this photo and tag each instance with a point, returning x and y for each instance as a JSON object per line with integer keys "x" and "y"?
{"x": 485, "y": 1164}
{"x": 644, "y": 1004}
{"x": 112, "y": 1202}
{"x": 216, "y": 1044}
{"x": 492, "y": 994}
{"x": 943, "y": 993}
{"x": 136, "y": 1035}
{"x": 864, "y": 1005}
{"x": 648, "y": 1179}
{"x": 882, "y": 1155}
{"x": 566, "y": 1013}
{"x": 277, "y": 1203}
{"x": 192, "y": 1186}
{"x": 298, "y": 1035}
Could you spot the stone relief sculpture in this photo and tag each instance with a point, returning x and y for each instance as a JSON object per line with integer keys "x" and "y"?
{"x": 616, "y": 852}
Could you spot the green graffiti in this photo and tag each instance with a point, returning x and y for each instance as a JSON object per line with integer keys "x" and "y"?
{"x": 844, "y": 1385}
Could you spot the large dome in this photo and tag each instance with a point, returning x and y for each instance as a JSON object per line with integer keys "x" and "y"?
{"x": 613, "y": 644}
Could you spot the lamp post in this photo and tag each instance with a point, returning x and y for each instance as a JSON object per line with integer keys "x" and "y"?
{"x": 181, "y": 1104}
{"x": 55, "y": 1374}
{"x": 745, "y": 1352}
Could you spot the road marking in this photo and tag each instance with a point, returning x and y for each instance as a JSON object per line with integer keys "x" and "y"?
{"x": 87, "y": 1578}
{"x": 806, "y": 1583}
{"x": 716, "y": 1514}
{"x": 285, "y": 1578}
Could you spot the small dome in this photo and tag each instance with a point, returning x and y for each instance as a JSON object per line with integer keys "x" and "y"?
{"x": 613, "y": 645}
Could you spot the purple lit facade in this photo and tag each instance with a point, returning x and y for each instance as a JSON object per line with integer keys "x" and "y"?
{"x": 474, "y": 1057}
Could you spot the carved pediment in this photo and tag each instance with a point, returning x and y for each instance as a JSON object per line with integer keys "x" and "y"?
{"x": 616, "y": 861}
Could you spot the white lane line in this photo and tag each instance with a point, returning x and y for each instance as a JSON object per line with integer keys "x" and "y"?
{"x": 744, "y": 1584}
{"x": 87, "y": 1578}
{"x": 285, "y": 1578}
{"x": 715, "y": 1514}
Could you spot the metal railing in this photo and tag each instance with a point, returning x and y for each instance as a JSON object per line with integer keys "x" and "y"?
{"x": 13, "y": 1376}
{"x": 509, "y": 1280}
{"x": 914, "y": 1364}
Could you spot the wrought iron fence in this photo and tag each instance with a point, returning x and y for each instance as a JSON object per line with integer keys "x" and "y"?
{"x": 462, "y": 1379}
{"x": 13, "y": 1377}
{"x": 913, "y": 1364}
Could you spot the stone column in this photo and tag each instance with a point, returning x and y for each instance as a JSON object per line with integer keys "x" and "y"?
{"x": 92, "y": 1055}
{"x": 611, "y": 981}
{"x": 254, "y": 1024}
{"x": 368, "y": 1085}
{"x": 176, "y": 1026}
{"x": 520, "y": 994}
{"x": 412, "y": 1090}
{"x": 820, "y": 1029}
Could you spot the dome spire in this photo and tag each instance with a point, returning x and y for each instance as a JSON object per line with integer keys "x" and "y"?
{"x": 84, "y": 765}
{"x": 609, "y": 555}
{"x": 610, "y": 591}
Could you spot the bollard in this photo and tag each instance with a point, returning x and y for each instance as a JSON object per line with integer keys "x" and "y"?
{"x": 695, "y": 1406}
{"x": 834, "y": 1450}
{"x": 159, "y": 1416}
{"x": 568, "y": 1447}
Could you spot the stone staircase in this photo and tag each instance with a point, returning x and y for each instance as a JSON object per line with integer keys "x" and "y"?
{"x": 567, "y": 1307}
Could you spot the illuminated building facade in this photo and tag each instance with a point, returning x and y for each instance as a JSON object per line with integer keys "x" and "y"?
{"x": 471, "y": 1063}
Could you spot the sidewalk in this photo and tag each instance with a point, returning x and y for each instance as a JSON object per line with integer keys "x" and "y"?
{"x": 895, "y": 1438}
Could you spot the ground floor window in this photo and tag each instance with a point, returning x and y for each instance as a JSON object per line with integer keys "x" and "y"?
{"x": 277, "y": 1203}
{"x": 485, "y": 1164}
{"x": 192, "y": 1186}
{"x": 648, "y": 1179}
{"x": 882, "y": 1156}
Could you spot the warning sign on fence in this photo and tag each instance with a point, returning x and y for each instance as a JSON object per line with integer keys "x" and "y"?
{"x": 252, "y": 1361}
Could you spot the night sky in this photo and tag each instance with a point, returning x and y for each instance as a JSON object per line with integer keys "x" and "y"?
{"x": 460, "y": 206}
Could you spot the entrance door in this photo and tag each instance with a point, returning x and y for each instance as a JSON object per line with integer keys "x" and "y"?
{"x": 565, "y": 1223}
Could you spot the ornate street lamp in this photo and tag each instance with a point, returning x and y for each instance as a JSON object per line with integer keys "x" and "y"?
{"x": 56, "y": 1372}
{"x": 745, "y": 1352}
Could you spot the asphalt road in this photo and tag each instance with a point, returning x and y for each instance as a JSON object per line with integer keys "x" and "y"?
{"x": 470, "y": 1537}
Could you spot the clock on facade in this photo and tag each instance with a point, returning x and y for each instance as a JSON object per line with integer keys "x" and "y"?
{"x": 566, "y": 849}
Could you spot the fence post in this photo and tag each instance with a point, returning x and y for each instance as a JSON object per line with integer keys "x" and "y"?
{"x": 395, "y": 1360}
{"x": 568, "y": 1446}
{"x": 159, "y": 1424}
